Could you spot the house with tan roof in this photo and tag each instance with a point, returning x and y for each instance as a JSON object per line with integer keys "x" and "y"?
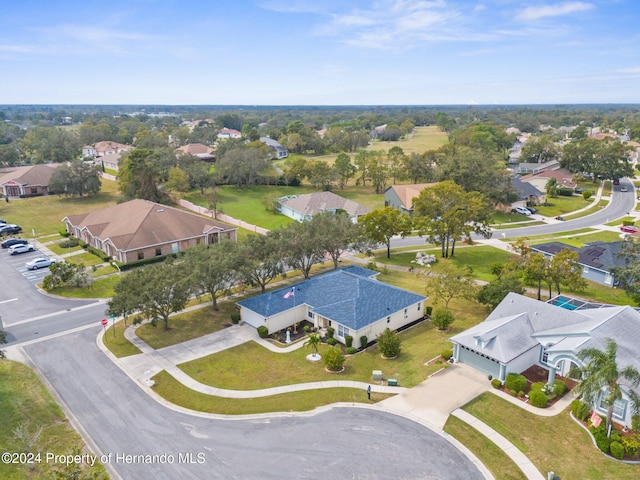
{"x": 563, "y": 178}
{"x": 402, "y": 196}
{"x": 29, "y": 181}
{"x": 104, "y": 148}
{"x": 226, "y": 133}
{"x": 303, "y": 207}
{"x": 197, "y": 150}
{"x": 141, "y": 229}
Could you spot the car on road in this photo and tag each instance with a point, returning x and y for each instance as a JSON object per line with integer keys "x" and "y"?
{"x": 9, "y": 242}
{"x": 522, "y": 211}
{"x": 629, "y": 229}
{"x": 624, "y": 189}
{"x": 21, "y": 248}
{"x": 40, "y": 262}
{"x": 9, "y": 229}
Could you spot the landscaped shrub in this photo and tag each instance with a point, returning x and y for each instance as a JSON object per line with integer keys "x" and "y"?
{"x": 628, "y": 223}
{"x": 348, "y": 341}
{"x": 69, "y": 243}
{"x": 515, "y": 382}
{"x": 333, "y": 359}
{"x": 331, "y": 332}
{"x": 513, "y": 393}
{"x": 559, "y": 387}
{"x": 364, "y": 341}
{"x": 537, "y": 386}
{"x": 600, "y": 436}
{"x": 617, "y": 450}
{"x": 565, "y": 191}
{"x": 442, "y": 318}
{"x": 520, "y": 394}
{"x": 64, "y": 233}
{"x": 586, "y": 194}
{"x": 496, "y": 383}
{"x": 429, "y": 309}
{"x": 580, "y": 410}
{"x": 615, "y": 436}
{"x": 263, "y": 331}
{"x": 631, "y": 446}
{"x": 635, "y": 423}
{"x": 389, "y": 344}
{"x": 447, "y": 354}
{"x": 332, "y": 341}
{"x": 306, "y": 328}
{"x": 537, "y": 399}
{"x": 351, "y": 350}
{"x": 235, "y": 318}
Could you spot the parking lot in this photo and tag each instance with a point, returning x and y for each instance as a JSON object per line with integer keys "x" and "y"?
{"x": 18, "y": 261}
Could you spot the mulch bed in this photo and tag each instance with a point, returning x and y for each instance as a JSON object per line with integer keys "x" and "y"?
{"x": 281, "y": 336}
{"x": 535, "y": 374}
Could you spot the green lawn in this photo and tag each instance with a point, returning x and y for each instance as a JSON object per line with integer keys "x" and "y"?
{"x": 596, "y": 208}
{"x": 422, "y": 140}
{"x": 100, "y": 288}
{"x": 562, "y": 205}
{"x": 115, "y": 341}
{"x": 57, "y": 249}
{"x": 555, "y": 443}
{"x": 45, "y": 214}
{"x": 23, "y": 398}
{"x": 492, "y": 456}
{"x": 580, "y": 240}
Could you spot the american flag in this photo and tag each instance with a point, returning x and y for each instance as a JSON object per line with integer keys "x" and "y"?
{"x": 290, "y": 293}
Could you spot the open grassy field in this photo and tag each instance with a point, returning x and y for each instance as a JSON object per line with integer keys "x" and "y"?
{"x": 555, "y": 443}
{"x": 44, "y": 214}
{"x": 25, "y": 400}
{"x": 422, "y": 140}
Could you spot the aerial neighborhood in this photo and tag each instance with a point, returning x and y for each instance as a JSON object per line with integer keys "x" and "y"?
{"x": 461, "y": 275}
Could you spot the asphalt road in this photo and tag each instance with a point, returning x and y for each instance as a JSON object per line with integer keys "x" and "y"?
{"x": 339, "y": 443}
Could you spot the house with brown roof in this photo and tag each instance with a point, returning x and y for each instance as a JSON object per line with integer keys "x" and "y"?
{"x": 563, "y": 178}
{"x": 29, "y": 181}
{"x": 303, "y": 207}
{"x": 402, "y": 196}
{"x": 197, "y": 150}
{"x": 226, "y": 133}
{"x": 140, "y": 229}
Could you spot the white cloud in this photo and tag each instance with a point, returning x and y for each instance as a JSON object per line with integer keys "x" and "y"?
{"x": 631, "y": 70}
{"x": 544, "y": 11}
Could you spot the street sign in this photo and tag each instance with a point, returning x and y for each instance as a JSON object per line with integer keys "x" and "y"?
{"x": 104, "y": 322}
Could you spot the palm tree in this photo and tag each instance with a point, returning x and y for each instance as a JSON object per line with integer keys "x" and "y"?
{"x": 313, "y": 341}
{"x": 602, "y": 373}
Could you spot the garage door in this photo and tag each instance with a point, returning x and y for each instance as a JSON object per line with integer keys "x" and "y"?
{"x": 479, "y": 363}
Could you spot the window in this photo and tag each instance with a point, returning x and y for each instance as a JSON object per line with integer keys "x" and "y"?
{"x": 619, "y": 406}
{"x": 585, "y": 269}
{"x": 545, "y": 357}
{"x": 388, "y": 319}
{"x": 608, "y": 279}
{"x": 310, "y": 314}
{"x": 140, "y": 255}
{"x": 342, "y": 331}
{"x": 158, "y": 252}
{"x": 406, "y": 312}
{"x": 419, "y": 306}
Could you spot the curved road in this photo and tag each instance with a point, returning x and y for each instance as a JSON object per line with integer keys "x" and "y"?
{"x": 621, "y": 203}
{"x": 338, "y": 443}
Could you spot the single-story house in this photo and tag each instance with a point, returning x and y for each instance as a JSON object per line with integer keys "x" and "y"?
{"x": 350, "y": 300}
{"x": 596, "y": 259}
{"x": 522, "y": 332}
{"x": 303, "y": 207}
{"x": 197, "y": 150}
{"x": 402, "y": 196}
{"x": 279, "y": 150}
{"x": 527, "y": 193}
{"x": 140, "y": 229}
{"x": 104, "y": 148}
{"x": 29, "y": 181}
{"x": 110, "y": 161}
{"x": 563, "y": 178}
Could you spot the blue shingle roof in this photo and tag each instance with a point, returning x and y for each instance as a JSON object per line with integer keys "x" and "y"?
{"x": 348, "y": 296}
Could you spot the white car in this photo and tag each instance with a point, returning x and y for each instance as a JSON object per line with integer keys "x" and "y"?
{"x": 16, "y": 249}
{"x": 523, "y": 211}
{"x": 40, "y": 262}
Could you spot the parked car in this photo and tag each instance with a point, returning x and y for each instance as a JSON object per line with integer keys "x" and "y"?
{"x": 532, "y": 210}
{"x": 522, "y": 211}
{"x": 21, "y": 248}
{"x": 629, "y": 229}
{"x": 624, "y": 189}
{"x": 9, "y": 242}
{"x": 40, "y": 262}
{"x": 9, "y": 229}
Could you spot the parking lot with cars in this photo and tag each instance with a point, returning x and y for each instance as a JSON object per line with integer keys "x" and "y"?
{"x": 23, "y": 257}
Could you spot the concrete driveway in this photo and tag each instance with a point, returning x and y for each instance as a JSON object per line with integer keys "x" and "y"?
{"x": 433, "y": 400}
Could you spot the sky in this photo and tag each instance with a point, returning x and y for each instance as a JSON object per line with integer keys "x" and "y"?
{"x": 319, "y": 52}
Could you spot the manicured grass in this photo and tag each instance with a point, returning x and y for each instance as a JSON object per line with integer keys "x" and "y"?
{"x": 173, "y": 391}
{"x": 500, "y": 218}
{"x": 187, "y": 325}
{"x": 506, "y": 226}
{"x": 58, "y": 250}
{"x": 550, "y": 237}
{"x": 555, "y": 443}
{"x": 23, "y": 398}
{"x": 116, "y": 341}
{"x": 493, "y": 457}
{"x": 363, "y": 195}
{"x": 596, "y": 208}
{"x": 101, "y": 288}
{"x": 422, "y": 140}
{"x": 45, "y": 214}
{"x": 561, "y": 205}
{"x": 88, "y": 259}
{"x": 618, "y": 222}
{"x": 582, "y": 240}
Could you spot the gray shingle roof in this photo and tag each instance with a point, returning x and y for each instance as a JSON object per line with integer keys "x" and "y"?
{"x": 600, "y": 255}
{"x": 313, "y": 203}
{"x": 348, "y": 296}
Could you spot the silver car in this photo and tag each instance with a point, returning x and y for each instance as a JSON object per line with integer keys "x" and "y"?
{"x": 40, "y": 262}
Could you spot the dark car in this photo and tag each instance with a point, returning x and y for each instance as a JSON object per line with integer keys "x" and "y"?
{"x": 9, "y": 242}
{"x": 10, "y": 229}
{"x": 531, "y": 209}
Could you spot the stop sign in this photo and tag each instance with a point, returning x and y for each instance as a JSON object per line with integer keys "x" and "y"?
{"x": 103, "y": 322}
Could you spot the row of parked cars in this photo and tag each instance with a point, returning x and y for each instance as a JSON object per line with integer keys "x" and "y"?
{"x": 17, "y": 246}
{"x": 8, "y": 228}
{"x": 524, "y": 210}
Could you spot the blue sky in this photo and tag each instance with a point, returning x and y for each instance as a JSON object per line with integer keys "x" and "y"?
{"x": 319, "y": 52}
